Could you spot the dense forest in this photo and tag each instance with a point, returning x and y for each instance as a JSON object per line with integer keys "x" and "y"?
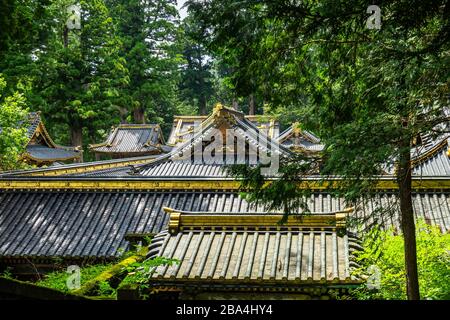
{"x": 121, "y": 62}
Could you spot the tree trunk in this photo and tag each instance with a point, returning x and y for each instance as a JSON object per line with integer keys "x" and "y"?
{"x": 235, "y": 104}
{"x": 251, "y": 105}
{"x": 139, "y": 115}
{"x": 123, "y": 113}
{"x": 202, "y": 105}
{"x": 76, "y": 137}
{"x": 407, "y": 219}
{"x": 66, "y": 36}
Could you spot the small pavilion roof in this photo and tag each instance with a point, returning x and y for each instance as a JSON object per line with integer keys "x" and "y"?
{"x": 183, "y": 126}
{"x": 243, "y": 249}
{"x": 182, "y": 161}
{"x": 300, "y": 140}
{"x": 41, "y": 149}
{"x": 133, "y": 139}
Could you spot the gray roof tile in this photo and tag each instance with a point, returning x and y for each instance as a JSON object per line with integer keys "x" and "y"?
{"x": 94, "y": 224}
{"x": 133, "y": 139}
{"x": 282, "y": 256}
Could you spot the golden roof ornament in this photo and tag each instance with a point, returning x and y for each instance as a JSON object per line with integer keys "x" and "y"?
{"x": 448, "y": 147}
{"x": 218, "y": 107}
{"x": 297, "y": 128}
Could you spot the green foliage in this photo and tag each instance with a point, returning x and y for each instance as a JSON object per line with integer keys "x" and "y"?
{"x": 131, "y": 61}
{"x": 81, "y": 73}
{"x": 317, "y": 63}
{"x": 105, "y": 289}
{"x": 384, "y": 249}
{"x": 149, "y": 31}
{"x": 13, "y": 128}
{"x": 366, "y": 93}
{"x": 58, "y": 279}
{"x": 139, "y": 273}
{"x": 7, "y": 273}
{"x": 196, "y": 85}
{"x": 280, "y": 195}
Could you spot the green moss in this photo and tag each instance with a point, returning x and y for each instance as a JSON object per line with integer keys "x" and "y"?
{"x": 57, "y": 280}
{"x": 102, "y": 283}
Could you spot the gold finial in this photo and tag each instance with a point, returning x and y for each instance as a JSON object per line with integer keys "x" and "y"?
{"x": 168, "y": 210}
{"x": 218, "y": 107}
{"x": 174, "y": 220}
{"x": 341, "y": 217}
{"x": 348, "y": 210}
{"x": 297, "y": 128}
{"x": 448, "y": 147}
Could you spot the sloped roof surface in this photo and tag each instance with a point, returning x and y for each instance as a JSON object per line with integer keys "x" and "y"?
{"x": 300, "y": 140}
{"x": 44, "y": 153}
{"x": 259, "y": 255}
{"x": 132, "y": 138}
{"x": 45, "y": 149}
{"x": 40, "y": 223}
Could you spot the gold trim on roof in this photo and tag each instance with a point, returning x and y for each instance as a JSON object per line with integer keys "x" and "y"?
{"x": 118, "y": 185}
{"x": 41, "y": 132}
{"x": 180, "y": 221}
{"x": 291, "y": 286}
{"x": 430, "y": 153}
{"x": 67, "y": 183}
{"x": 84, "y": 168}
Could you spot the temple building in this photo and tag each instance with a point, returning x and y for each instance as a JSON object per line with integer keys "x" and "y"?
{"x": 228, "y": 247}
{"x": 42, "y": 150}
{"x": 132, "y": 140}
{"x": 299, "y": 140}
{"x": 249, "y": 256}
{"x": 184, "y": 126}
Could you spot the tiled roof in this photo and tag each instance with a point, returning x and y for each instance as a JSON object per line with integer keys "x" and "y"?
{"x": 133, "y": 139}
{"x": 432, "y": 158}
{"x": 183, "y": 126}
{"x": 256, "y": 256}
{"x": 242, "y": 248}
{"x": 44, "y": 153}
{"x": 34, "y": 119}
{"x": 182, "y": 161}
{"x": 41, "y": 148}
{"x": 183, "y": 169}
{"x": 94, "y": 223}
{"x": 300, "y": 140}
{"x": 435, "y": 161}
{"x": 114, "y": 167}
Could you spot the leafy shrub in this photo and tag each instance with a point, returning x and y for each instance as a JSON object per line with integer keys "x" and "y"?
{"x": 105, "y": 289}
{"x": 384, "y": 250}
{"x": 13, "y": 129}
{"x": 139, "y": 273}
